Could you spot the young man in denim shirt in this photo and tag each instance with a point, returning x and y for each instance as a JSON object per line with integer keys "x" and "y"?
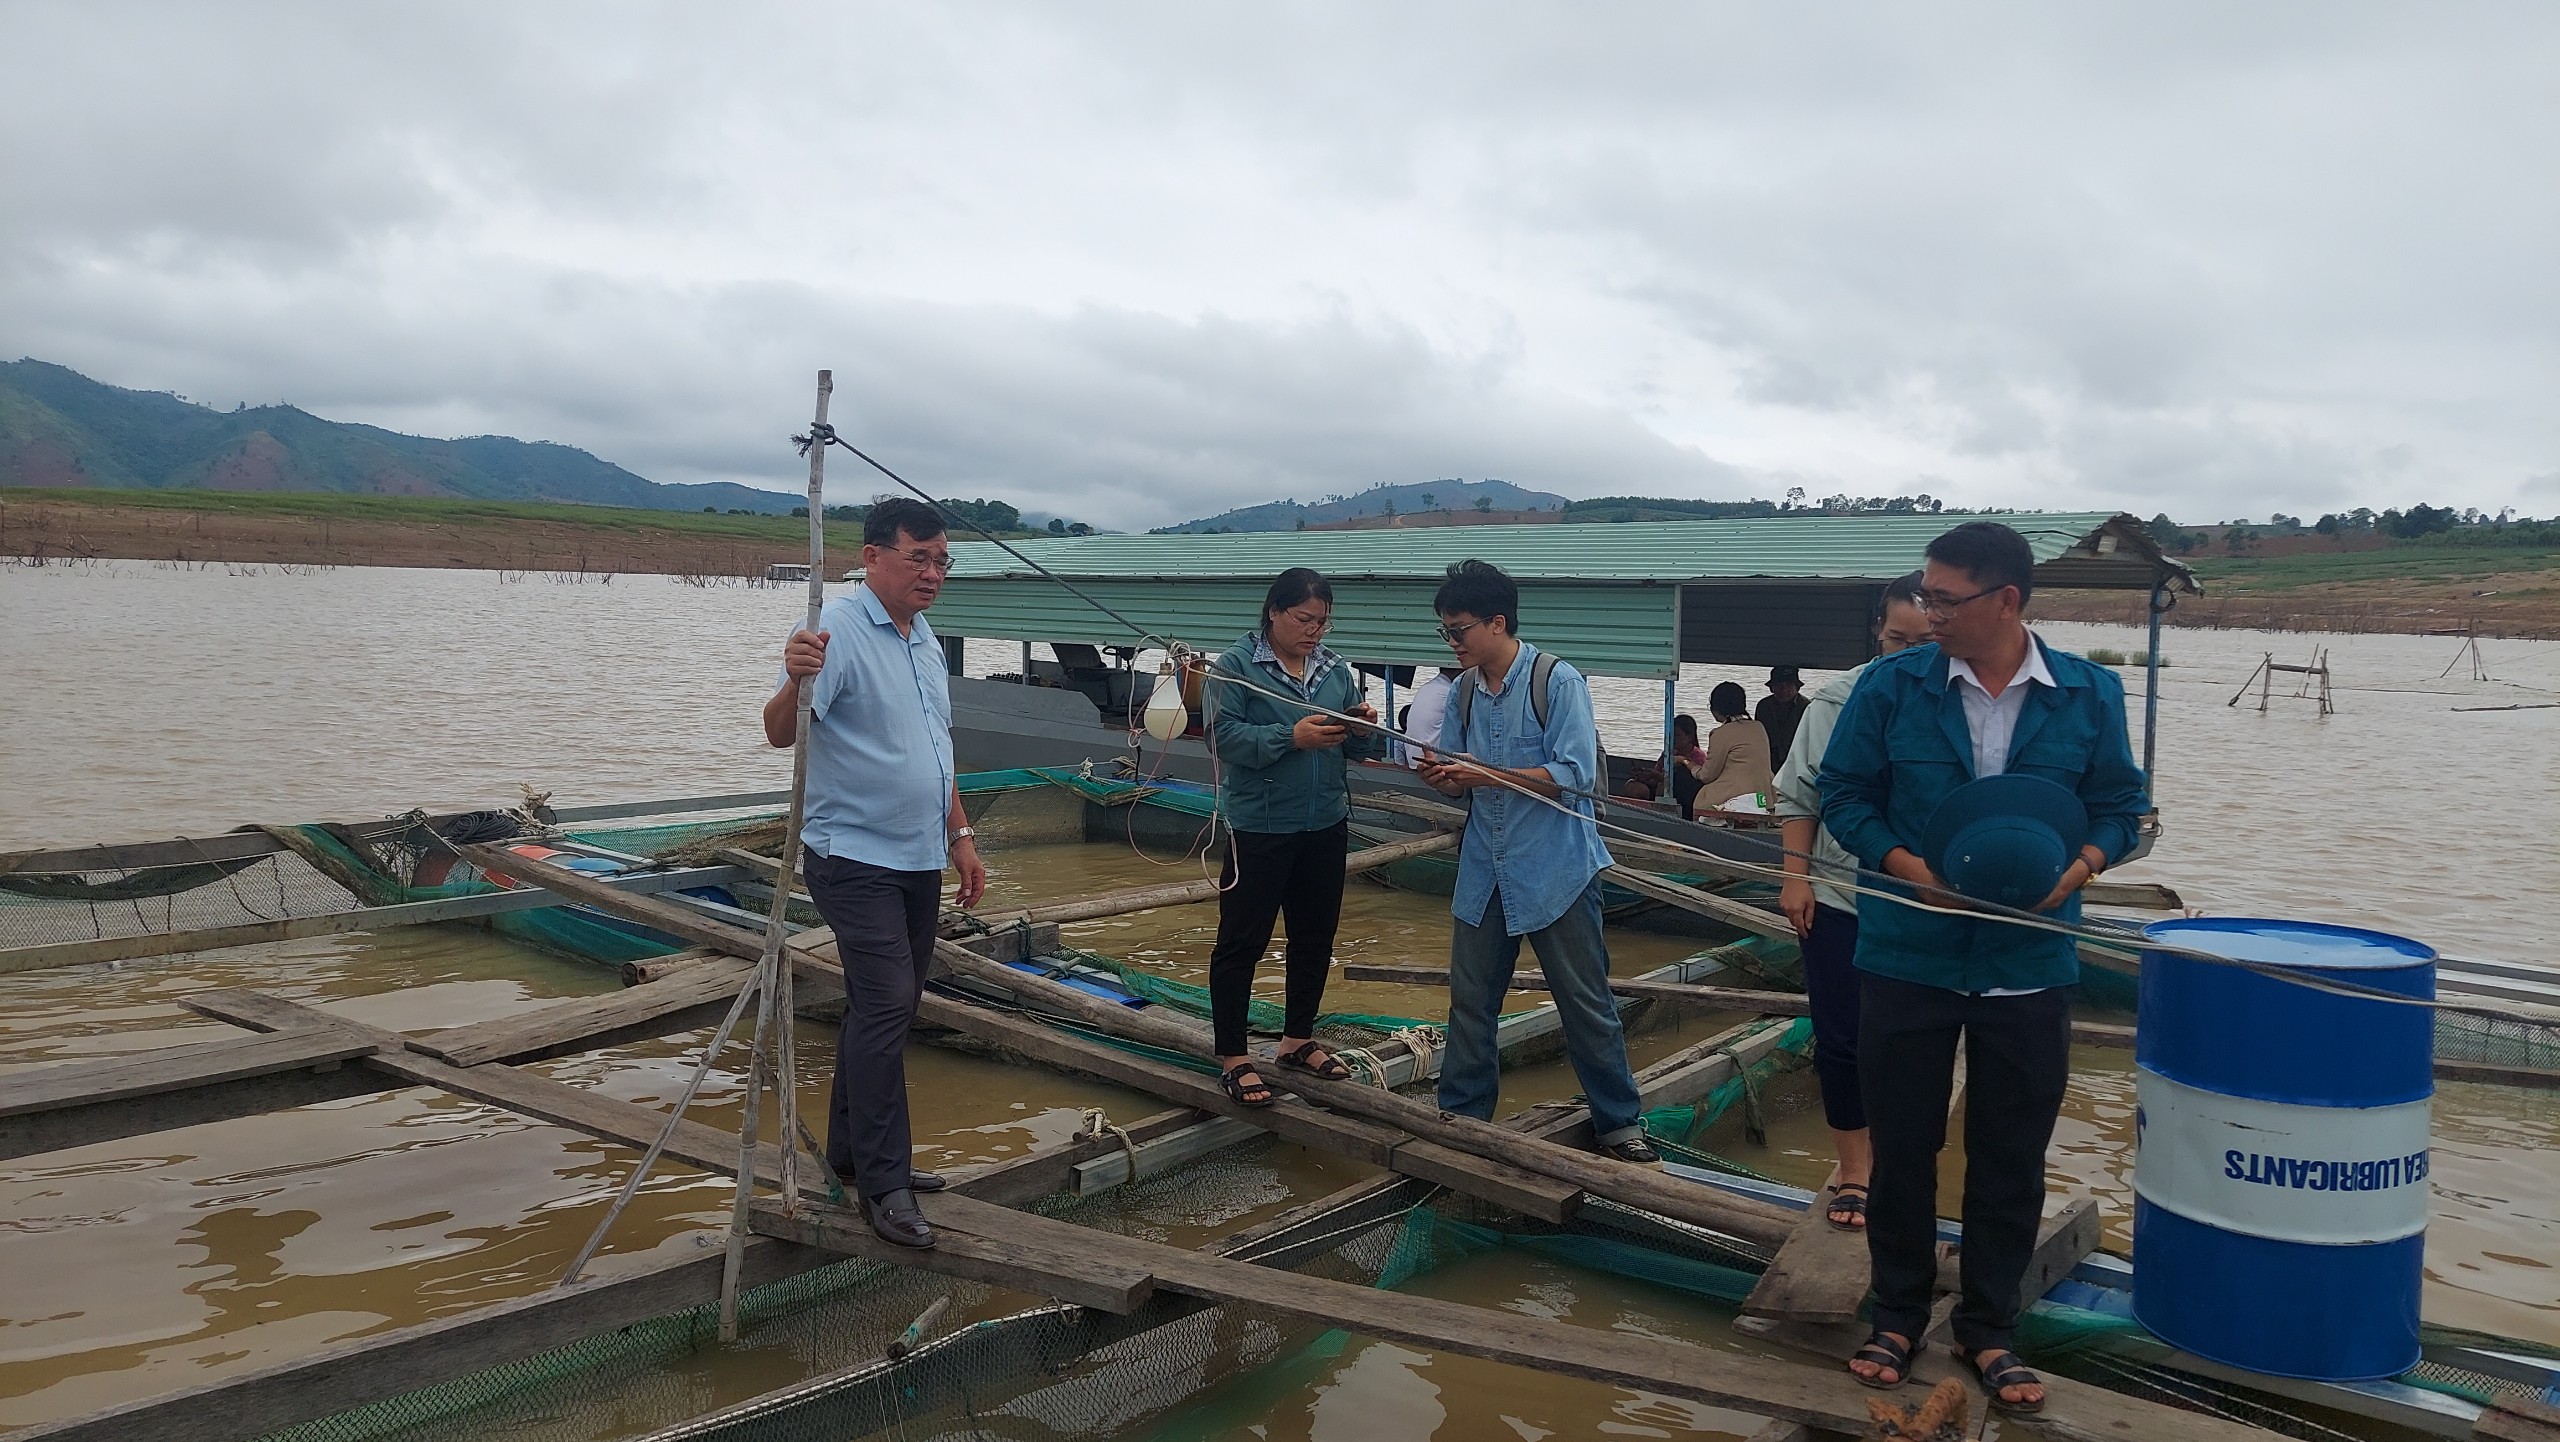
{"x": 1525, "y": 868}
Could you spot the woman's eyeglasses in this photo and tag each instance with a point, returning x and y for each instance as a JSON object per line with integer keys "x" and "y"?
{"x": 1305, "y": 622}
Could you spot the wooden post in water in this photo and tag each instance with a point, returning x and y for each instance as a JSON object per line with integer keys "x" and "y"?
{"x": 775, "y": 1013}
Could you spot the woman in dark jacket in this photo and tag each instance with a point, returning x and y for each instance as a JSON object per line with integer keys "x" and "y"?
{"x": 1283, "y": 787}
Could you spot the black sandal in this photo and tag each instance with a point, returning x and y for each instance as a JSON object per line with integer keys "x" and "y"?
{"x": 1842, "y": 1204}
{"x": 1331, "y": 1070}
{"x": 1244, "y": 1093}
{"x": 1881, "y": 1349}
{"x": 2006, "y": 1369}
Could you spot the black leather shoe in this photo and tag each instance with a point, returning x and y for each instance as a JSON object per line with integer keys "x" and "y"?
{"x": 898, "y": 1220}
{"x": 1635, "y": 1151}
{"x": 925, "y": 1182}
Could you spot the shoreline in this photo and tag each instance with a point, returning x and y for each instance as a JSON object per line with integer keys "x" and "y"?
{"x": 2519, "y": 602}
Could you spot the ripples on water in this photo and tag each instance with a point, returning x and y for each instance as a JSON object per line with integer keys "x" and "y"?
{"x": 144, "y": 702}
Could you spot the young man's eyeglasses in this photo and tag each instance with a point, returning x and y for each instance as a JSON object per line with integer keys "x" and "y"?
{"x": 1454, "y": 634}
{"x": 1939, "y": 604}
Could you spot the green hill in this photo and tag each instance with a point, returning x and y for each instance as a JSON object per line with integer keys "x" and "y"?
{"x": 60, "y": 428}
{"x": 1382, "y": 500}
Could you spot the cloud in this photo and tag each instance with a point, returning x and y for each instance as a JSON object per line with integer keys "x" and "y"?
{"x": 1146, "y": 262}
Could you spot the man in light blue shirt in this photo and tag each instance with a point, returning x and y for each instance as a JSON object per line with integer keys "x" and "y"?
{"x": 1526, "y": 867}
{"x": 879, "y": 815}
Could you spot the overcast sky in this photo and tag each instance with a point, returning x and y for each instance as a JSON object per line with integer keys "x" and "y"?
{"x": 1139, "y": 263}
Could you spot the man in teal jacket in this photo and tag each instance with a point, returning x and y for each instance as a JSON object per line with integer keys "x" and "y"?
{"x": 1989, "y": 698}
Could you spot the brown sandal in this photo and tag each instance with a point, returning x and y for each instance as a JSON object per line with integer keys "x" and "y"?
{"x": 1330, "y": 1069}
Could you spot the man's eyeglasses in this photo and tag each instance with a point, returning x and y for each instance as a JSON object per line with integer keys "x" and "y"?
{"x": 1305, "y": 622}
{"x": 926, "y": 560}
{"x": 1938, "y": 604}
{"x": 1454, "y": 634}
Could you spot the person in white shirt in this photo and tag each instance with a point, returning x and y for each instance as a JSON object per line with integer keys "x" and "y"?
{"x": 1422, "y": 717}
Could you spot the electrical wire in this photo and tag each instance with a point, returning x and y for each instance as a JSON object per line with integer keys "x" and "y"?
{"x": 1982, "y": 910}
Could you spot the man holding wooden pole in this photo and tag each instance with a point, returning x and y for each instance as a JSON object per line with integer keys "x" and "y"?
{"x": 881, "y": 816}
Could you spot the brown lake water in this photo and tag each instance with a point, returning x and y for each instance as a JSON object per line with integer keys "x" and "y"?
{"x": 138, "y": 702}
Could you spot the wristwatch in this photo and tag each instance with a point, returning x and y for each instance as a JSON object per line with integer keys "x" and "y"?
{"x": 956, "y": 837}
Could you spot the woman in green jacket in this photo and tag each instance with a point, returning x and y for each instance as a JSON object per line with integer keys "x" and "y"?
{"x": 1287, "y": 800}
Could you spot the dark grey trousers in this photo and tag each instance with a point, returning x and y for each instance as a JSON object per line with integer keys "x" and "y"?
{"x": 884, "y": 923}
{"x": 2017, "y": 1052}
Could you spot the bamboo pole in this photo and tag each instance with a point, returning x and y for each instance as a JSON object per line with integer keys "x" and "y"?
{"x": 777, "y": 1011}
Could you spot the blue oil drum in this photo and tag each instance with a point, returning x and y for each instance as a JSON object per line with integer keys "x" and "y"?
{"x": 2280, "y": 1190}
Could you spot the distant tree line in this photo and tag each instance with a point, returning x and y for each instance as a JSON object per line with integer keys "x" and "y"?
{"x": 1795, "y": 503}
{"x": 1001, "y": 517}
{"x": 2469, "y": 526}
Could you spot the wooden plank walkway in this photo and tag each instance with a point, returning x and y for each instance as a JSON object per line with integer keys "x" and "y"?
{"x": 54, "y": 1108}
{"x": 1288, "y": 1118}
{"x": 1739, "y": 998}
{"x": 1634, "y": 1186}
{"x": 684, "y": 998}
{"x": 1819, "y": 1397}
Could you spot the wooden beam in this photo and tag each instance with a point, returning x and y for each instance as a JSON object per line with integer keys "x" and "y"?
{"x": 55, "y": 1108}
{"x": 1738, "y": 998}
{"x": 2063, "y": 1242}
{"x": 685, "y": 998}
{"x": 558, "y": 1103}
{"x": 997, "y": 1260}
{"x": 1689, "y": 898}
{"x": 365, "y": 918}
{"x": 2139, "y": 895}
{"x": 1634, "y": 1186}
{"x": 1287, "y": 1118}
{"x": 1148, "y": 898}
{"x": 1822, "y": 1397}
{"x": 676, "y": 921}
{"x": 1819, "y": 1275}
{"x": 2511, "y": 1418}
{"x": 254, "y": 1404}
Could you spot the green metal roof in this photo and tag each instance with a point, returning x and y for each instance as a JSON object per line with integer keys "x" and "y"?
{"x": 1608, "y": 597}
{"x": 1827, "y": 547}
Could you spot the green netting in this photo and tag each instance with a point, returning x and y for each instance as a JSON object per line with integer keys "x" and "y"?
{"x": 1681, "y": 1125}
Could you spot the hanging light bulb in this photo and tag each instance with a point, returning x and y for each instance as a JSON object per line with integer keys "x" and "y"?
{"x": 1166, "y": 715}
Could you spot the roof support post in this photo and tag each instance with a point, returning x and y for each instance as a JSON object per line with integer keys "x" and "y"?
{"x": 2161, "y": 601}
{"x": 1670, "y": 730}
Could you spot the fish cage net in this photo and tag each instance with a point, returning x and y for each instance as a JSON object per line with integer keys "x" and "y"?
{"x": 329, "y": 870}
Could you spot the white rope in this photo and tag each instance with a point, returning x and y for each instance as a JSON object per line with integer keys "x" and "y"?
{"x": 1098, "y": 1124}
{"x": 1364, "y": 1063}
{"x": 1988, "y": 911}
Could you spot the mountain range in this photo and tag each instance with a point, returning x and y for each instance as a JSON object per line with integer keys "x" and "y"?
{"x": 1382, "y": 500}
{"x": 60, "y": 428}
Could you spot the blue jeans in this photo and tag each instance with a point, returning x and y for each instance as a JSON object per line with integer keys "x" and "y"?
{"x": 1575, "y": 959}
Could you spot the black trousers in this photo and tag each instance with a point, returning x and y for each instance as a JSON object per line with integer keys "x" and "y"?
{"x": 1831, "y": 984}
{"x": 885, "y": 922}
{"x": 2017, "y": 1062}
{"x": 1269, "y": 874}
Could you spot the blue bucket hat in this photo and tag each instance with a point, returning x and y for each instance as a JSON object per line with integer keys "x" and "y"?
{"x": 2005, "y": 839}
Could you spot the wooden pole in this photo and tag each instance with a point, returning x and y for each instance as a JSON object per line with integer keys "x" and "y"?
{"x": 776, "y": 1010}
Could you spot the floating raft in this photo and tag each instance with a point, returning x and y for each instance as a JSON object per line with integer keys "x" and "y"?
{"x": 1014, "y": 990}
